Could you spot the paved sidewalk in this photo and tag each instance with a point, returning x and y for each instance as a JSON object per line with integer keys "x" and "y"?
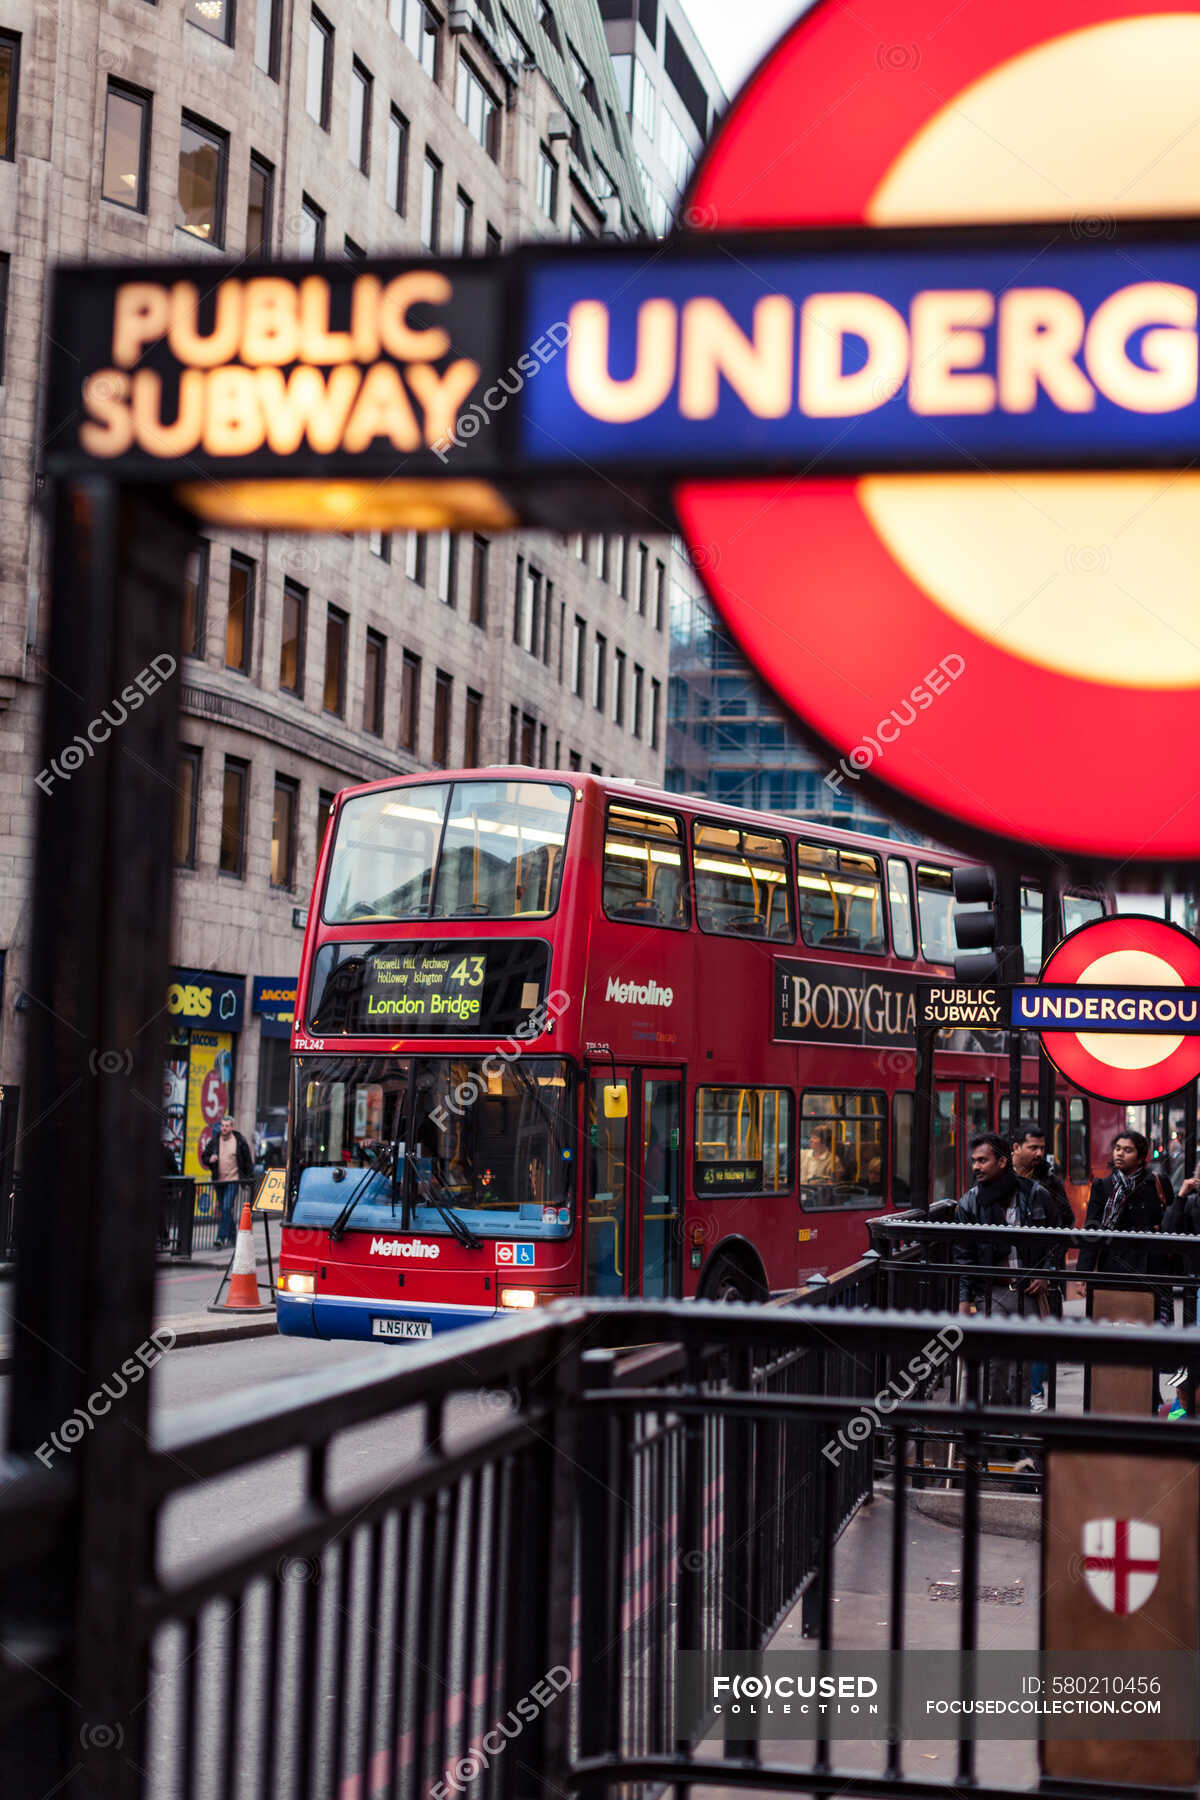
{"x": 182, "y": 1292}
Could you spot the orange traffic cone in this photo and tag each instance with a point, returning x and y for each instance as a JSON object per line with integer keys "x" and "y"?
{"x": 242, "y": 1272}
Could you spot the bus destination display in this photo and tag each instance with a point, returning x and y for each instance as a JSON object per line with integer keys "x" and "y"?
{"x": 461, "y": 987}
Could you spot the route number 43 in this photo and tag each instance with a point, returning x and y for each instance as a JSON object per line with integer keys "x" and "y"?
{"x": 468, "y": 972}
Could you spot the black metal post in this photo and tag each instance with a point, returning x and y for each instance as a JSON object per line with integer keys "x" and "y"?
{"x": 1008, "y": 936}
{"x": 1188, "y": 1097}
{"x": 922, "y": 1143}
{"x": 89, "y": 1220}
{"x": 1051, "y": 914}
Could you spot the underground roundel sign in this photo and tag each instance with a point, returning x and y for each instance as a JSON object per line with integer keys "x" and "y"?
{"x": 1133, "y": 985}
{"x": 1017, "y": 652}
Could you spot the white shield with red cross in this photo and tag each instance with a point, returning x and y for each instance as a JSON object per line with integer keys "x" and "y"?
{"x": 1120, "y": 1562}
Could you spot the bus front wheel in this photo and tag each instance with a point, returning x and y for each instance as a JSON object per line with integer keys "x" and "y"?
{"x": 727, "y": 1281}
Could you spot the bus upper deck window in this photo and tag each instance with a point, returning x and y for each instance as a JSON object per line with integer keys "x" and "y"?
{"x": 645, "y": 878}
{"x": 742, "y": 886}
{"x": 904, "y": 938}
{"x": 841, "y": 898}
{"x": 935, "y": 907}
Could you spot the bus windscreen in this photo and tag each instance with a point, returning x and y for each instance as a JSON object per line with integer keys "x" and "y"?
{"x": 449, "y": 850}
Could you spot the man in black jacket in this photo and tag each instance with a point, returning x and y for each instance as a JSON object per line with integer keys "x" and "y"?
{"x": 1030, "y": 1163}
{"x": 998, "y": 1197}
{"x": 1132, "y": 1198}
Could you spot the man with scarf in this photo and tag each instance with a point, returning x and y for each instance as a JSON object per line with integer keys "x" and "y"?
{"x": 1132, "y": 1198}
{"x": 999, "y": 1197}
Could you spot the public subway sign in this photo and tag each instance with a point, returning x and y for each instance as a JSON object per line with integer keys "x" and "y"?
{"x": 953, "y": 1005}
{"x": 937, "y": 346}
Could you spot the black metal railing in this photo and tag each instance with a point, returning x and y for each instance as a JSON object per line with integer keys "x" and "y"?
{"x": 191, "y": 1216}
{"x": 552, "y": 1521}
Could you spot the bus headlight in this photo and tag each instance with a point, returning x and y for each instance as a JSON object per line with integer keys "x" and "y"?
{"x": 294, "y": 1282}
{"x": 518, "y": 1297}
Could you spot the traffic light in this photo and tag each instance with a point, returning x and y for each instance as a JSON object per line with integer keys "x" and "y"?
{"x": 989, "y": 939}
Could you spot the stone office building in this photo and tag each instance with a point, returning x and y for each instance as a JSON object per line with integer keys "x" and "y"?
{"x": 165, "y": 129}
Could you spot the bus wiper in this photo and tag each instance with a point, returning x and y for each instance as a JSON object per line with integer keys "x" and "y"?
{"x": 457, "y": 1224}
{"x": 337, "y": 1230}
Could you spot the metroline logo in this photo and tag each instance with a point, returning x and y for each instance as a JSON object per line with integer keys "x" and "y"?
{"x": 398, "y": 1247}
{"x": 632, "y": 993}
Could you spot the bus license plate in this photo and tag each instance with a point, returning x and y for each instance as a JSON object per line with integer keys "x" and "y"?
{"x": 402, "y": 1328}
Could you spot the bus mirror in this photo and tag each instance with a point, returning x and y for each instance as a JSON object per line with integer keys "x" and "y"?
{"x": 616, "y": 1101}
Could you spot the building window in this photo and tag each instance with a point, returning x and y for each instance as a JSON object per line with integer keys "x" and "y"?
{"x": 203, "y": 165}
{"x": 213, "y": 16}
{"x": 266, "y": 36}
{"x": 359, "y": 124}
{"x": 494, "y": 243}
{"x": 283, "y": 832}
{"x": 574, "y": 761}
{"x": 579, "y": 232}
{"x": 477, "y": 108}
{"x": 239, "y": 620}
{"x": 528, "y": 727}
{"x": 447, "y": 559}
{"x": 410, "y": 701}
{"x": 259, "y": 207}
{"x": 479, "y": 575}
{"x": 187, "y": 802}
{"x": 233, "y": 817}
{"x": 10, "y": 71}
{"x": 397, "y": 161}
{"x": 513, "y": 725}
{"x": 353, "y": 252}
{"x": 547, "y": 182}
{"x": 639, "y": 683}
{"x": 600, "y": 556}
{"x": 126, "y": 145}
{"x": 618, "y": 694}
{"x": 472, "y": 729}
{"x": 195, "y": 592}
{"x": 431, "y": 201}
{"x": 442, "y": 694}
{"x": 291, "y": 642}
{"x": 464, "y": 213}
{"x": 319, "y": 86}
{"x": 578, "y": 646}
{"x": 660, "y": 595}
{"x": 374, "y": 676}
{"x": 414, "y": 556}
{"x": 312, "y": 229}
{"x": 420, "y": 28}
{"x": 599, "y": 670}
{"x": 655, "y": 700}
{"x": 527, "y": 616}
{"x": 337, "y": 627}
{"x": 379, "y": 543}
{"x": 643, "y": 98}
{"x": 620, "y": 566}
{"x": 641, "y": 567}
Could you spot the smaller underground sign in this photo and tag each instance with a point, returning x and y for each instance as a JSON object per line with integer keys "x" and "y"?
{"x": 1127, "y": 990}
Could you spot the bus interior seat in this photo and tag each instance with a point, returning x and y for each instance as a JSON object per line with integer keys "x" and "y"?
{"x": 849, "y": 940}
{"x": 747, "y": 924}
{"x": 644, "y": 912}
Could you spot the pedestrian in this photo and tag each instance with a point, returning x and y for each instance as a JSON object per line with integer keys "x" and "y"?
{"x": 1133, "y": 1198}
{"x": 228, "y": 1161}
{"x": 998, "y": 1196}
{"x": 1031, "y": 1164}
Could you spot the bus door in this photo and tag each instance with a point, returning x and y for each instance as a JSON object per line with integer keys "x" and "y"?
{"x": 960, "y": 1109}
{"x": 606, "y": 1259}
{"x": 660, "y": 1138}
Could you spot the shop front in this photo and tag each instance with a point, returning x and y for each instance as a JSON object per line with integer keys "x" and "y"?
{"x": 273, "y": 998}
{"x": 206, "y": 1012}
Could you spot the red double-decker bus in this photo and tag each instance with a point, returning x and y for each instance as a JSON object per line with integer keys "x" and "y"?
{"x": 559, "y": 1035}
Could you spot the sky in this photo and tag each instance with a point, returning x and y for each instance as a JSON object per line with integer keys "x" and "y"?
{"x": 736, "y": 37}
